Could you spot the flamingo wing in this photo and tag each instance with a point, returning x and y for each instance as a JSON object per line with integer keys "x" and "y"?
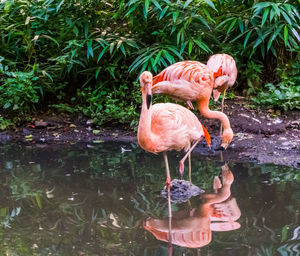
{"x": 185, "y": 80}
{"x": 174, "y": 126}
{"x": 192, "y": 71}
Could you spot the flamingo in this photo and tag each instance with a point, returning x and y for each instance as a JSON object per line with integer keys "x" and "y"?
{"x": 192, "y": 81}
{"x": 228, "y": 74}
{"x": 193, "y": 229}
{"x": 167, "y": 126}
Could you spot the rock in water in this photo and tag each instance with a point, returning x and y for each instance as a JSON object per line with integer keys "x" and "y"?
{"x": 181, "y": 191}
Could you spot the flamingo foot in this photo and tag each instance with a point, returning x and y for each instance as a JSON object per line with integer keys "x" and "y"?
{"x": 181, "y": 168}
{"x": 190, "y": 104}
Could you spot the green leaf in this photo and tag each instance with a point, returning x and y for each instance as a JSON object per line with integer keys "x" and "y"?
{"x": 265, "y": 16}
{"x": 190, "y": 47}
{"x": 286, "y": 17}
{"x": 7, "y": 105}
{"x": 273, "y": 51}
{"x": 75, "y": 30}
{"x": 225, "y": 21}
{"x": 174, "y": 50}
{"x": 60, "y": 3}
{"x": 276, "y": 9}
{"x": 272, "y": 13}
{"x": 156, "y": 4}
{"x": 208, "y": 15}
{"x": 97, "y": 72}
{"x": 38, "y": 201}
{"x": 175, "y": 15}
{"x": 231, "y": 25}
{"x": 131, "y": 9}
{"x": 257, "y": 42}
{"x": 200, "y": 17}
{"x": 187, "y": 3}
{"x": 261, "y": 5}
{"x": 241, "y": 25}
{"x": 163, "y": 12}
{"x": 145, "y": 9}
{"x": 211, "y": 4}
{"x": 276, "y": 32}
{"x": 247, "y": 38}
{"x": 101, "y": 53}
{"x": 157, "y": 58}
{"x": 286, "y": 34}
{"x": 202, "y": 45}
{"x": 89, "y": 45}
{"x": 123, "y": 49}
{"x": 168, "y": 56}
{"x": 289, "y": 10}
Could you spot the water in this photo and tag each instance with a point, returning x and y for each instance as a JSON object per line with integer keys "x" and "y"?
{"x": 97, "y": 199}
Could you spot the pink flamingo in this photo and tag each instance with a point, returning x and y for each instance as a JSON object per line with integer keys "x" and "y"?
{"x": 227, "y": 77}
{"x": 192, "y": 81}
{"x": 228, "y": 74}
{"x": 167, "y": 126}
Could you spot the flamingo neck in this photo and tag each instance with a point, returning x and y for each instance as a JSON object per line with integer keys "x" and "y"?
{"x": 144, "y": 129}
{"x": 205, "y": 111}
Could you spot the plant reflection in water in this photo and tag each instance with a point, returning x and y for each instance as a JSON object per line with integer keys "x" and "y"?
{"x": 193, "y": 228}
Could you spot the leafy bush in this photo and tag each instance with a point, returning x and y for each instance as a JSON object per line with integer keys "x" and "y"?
{"x": 86, "y": 55}
{"x": 282, "y": 95}
{"x": 264, "y": 26}
{"x": 286, "y": 93}
{"x": 18, "y": 91}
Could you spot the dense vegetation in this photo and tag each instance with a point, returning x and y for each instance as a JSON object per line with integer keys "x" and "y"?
{"x": 85, "y": 55}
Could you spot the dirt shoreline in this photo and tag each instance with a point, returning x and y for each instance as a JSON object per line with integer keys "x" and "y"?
{"x": 260, "y": 135}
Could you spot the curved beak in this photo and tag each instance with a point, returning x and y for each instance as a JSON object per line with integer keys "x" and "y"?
{"x": 225, "y": 145}
{"x": 148, "y": 96}
{"x": 148, "y": 100}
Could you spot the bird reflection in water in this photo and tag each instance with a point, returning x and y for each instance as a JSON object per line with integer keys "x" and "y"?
{"x": 218, "y": 211}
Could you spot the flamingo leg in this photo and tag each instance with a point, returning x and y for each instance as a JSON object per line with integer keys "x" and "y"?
{"x": 181, "y": 162}
{"x": 190, "y": 164}
{"x": 170, "y": 246}
{"x": 190, "y": 104}
{"x": 168, "y": 183}
{"x": 222, "y": 109}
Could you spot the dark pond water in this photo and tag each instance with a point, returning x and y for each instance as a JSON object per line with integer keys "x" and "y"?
{"x": 101, "y": 200}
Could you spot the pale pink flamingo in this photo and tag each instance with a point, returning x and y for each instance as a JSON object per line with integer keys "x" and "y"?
{"x": 167, "y": 126}
{"x": 192, "y": 81}
{"x": 228, "y": 74}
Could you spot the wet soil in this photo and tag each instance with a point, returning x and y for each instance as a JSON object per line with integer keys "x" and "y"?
{"x": 260, "y": 135}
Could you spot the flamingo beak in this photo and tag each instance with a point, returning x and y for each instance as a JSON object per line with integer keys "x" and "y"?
{"x": 148, "y": 96}
{"x": 225, "y": 145}
{"x": 148, "y": 100}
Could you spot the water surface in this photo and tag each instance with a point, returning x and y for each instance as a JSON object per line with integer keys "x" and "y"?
{"x": 95, "y": 200}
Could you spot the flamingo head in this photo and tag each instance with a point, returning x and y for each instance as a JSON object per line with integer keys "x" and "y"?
{"x": 146, "y": 86}
{"x": 227, "y": 138}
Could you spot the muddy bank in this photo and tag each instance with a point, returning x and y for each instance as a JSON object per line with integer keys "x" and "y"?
{"x": 261, "y": 135}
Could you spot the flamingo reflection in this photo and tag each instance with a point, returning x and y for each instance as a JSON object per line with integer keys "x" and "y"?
{"x": 217, "y": 212}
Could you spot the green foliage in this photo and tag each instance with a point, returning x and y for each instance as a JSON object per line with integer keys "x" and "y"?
{"x": 84, "y": 55}
{"x": 5, "y": 123}
{"x": 266, "y": 26}
{"x": 282, "y": 95}
{"x": 252, "y": 75}
{"x": 286, "y": 93}
{"x": 110, "y": 105}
